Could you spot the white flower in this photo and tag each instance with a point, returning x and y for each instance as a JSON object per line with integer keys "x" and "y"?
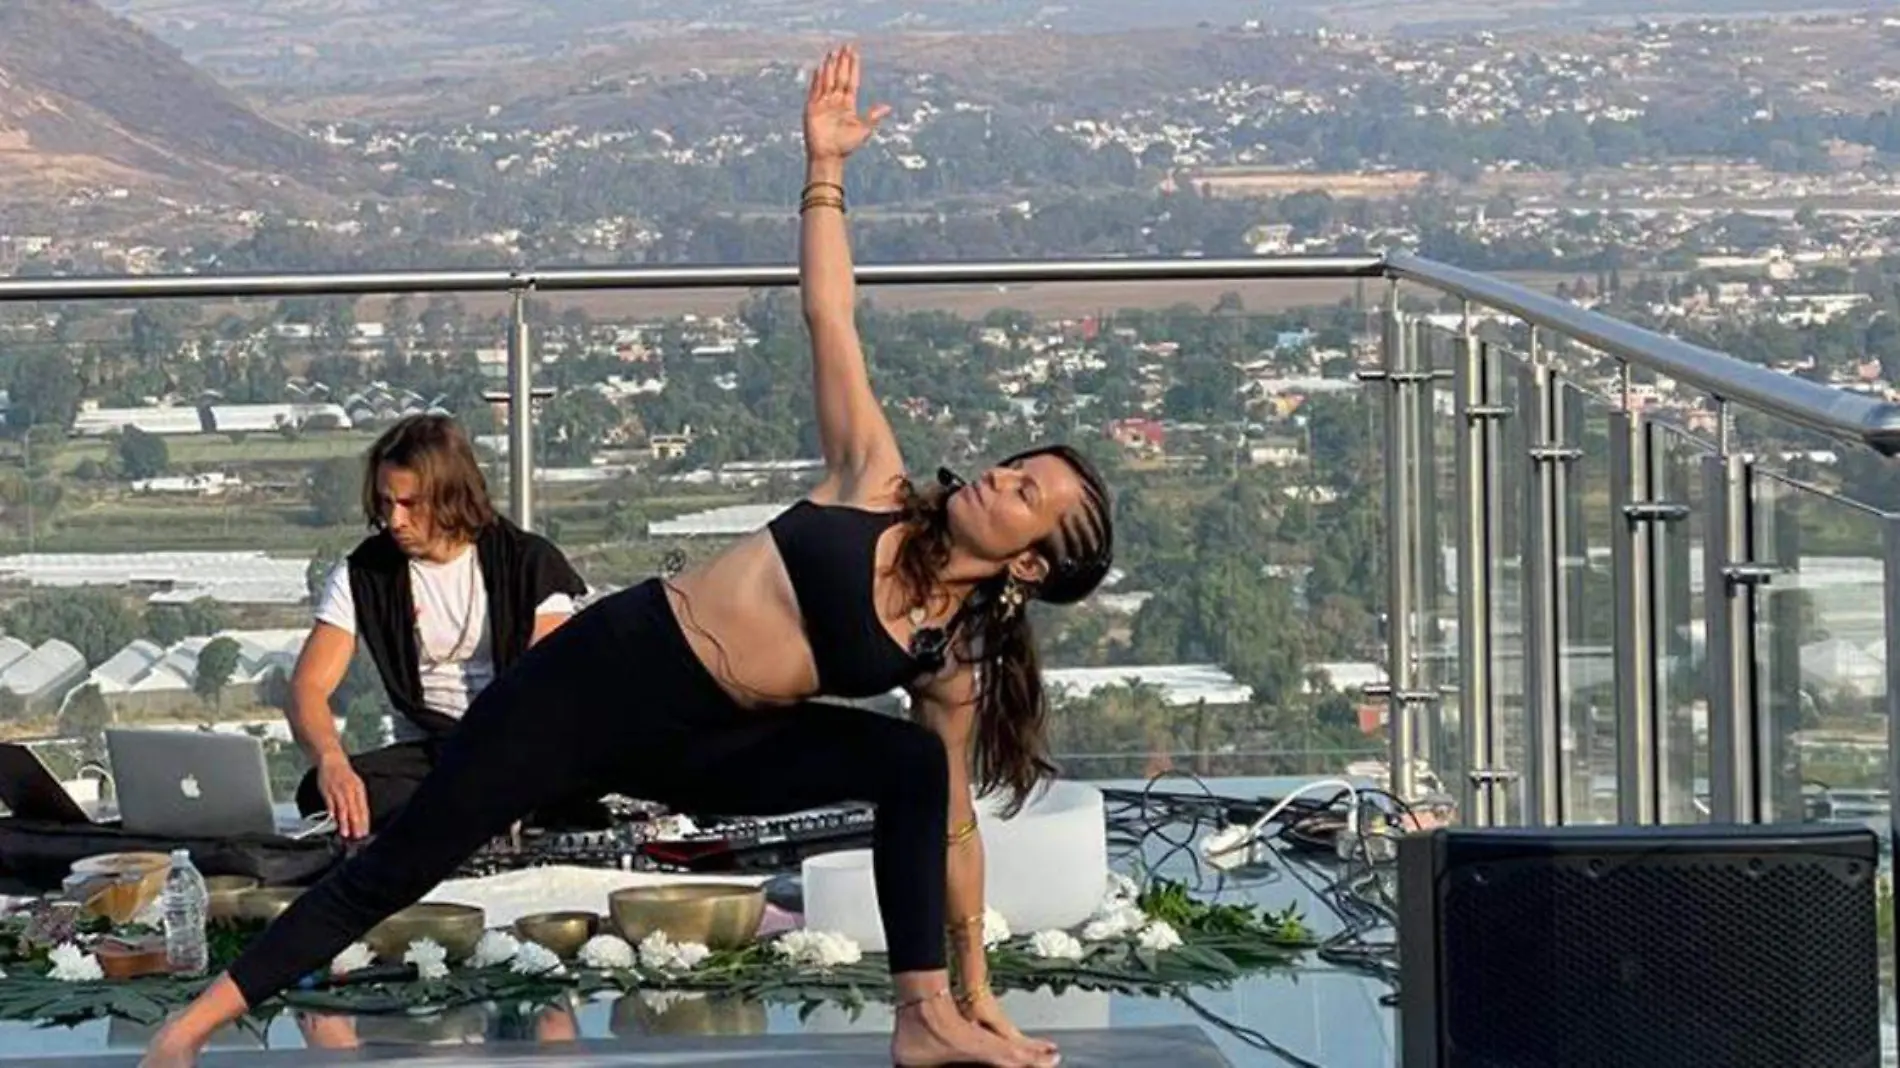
{"x": 1055, "y": 945}
{"x": 1121, "y": 891}
{"x": 74, "y": 965}
{"x": 658, "y": 953}
{"x": 995, "y": 928}
{"x": 689, "y": 955}
{"x": 536, "y": 959}
{"x": 430, "y": 959}
{"x": 1158, "y": 936}
{"x": 1114, "y": 921}
{"x": 607, "y": 952}
{"x": 495, "y": 948}
{"x": 817, "y": 949}
{"x": 355, "y": 957}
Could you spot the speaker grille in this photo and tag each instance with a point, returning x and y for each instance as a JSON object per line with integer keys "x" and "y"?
{"x": 1768, "y": 960}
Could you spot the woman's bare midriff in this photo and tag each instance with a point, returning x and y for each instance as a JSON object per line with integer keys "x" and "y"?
{"x": 741, "y": 618}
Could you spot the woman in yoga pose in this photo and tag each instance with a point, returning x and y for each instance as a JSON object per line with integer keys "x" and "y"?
{"x": 696, "y": 691}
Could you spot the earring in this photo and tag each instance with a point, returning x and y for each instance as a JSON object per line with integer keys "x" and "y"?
{"x": 1012, "y": 597}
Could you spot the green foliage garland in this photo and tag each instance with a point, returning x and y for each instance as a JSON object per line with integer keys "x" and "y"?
{"x": 1220, "y": 943}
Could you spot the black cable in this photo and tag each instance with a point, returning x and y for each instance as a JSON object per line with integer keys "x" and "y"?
{"x": 1308, "y": 825}
{"x": 1247, "y": 1034}
{"x": 1306, "y": 835}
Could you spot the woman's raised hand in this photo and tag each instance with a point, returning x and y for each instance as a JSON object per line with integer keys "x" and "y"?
{"x": 833, "y": 126}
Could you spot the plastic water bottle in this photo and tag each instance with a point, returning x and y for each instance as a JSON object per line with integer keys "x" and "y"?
{"x": 185, "y": 903}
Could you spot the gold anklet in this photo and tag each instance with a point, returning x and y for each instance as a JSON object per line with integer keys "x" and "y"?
{"x": 970, "y": 995}
{"x": 923, "y": 999}
{"x": 968, "y": 921}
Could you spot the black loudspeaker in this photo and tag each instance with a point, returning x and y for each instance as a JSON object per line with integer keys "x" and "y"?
{"x": 1639, "y": 947}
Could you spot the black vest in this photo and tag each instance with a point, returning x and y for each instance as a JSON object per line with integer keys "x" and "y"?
{"x": 519, "y": 571}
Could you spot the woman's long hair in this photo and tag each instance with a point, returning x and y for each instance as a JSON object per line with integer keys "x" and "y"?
{"x": 1012, "y": 743}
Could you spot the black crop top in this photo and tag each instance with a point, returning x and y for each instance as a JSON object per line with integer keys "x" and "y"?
{"x": 830, "y": 553}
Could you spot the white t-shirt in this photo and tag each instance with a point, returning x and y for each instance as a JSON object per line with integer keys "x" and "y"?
{"x": 455, "y": 651}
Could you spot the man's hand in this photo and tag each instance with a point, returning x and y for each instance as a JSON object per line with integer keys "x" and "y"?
{"x": 344, "y": 794}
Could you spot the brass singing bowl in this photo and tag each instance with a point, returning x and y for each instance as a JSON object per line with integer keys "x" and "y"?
{"x": 227, "y": 894}
{"x": 265, "y": 903}
{"x": 456, "y": 928}
{"x": 560, "y": 933}
{"x": 717, "y": 915}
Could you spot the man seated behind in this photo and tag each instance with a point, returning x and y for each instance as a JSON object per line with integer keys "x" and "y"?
{"x": 445, "y": 595}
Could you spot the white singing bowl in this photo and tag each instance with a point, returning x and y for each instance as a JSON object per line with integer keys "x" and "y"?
{"x": 1046, "y": 867}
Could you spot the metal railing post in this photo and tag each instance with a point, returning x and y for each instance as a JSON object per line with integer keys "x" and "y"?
{"x": 1737, "y": 775}
{"x": 1638, "y": 781}
{"x": 1473, "y": 416}
{"x": 1890, "y": 529}
{"x": 1543, "y": 570}
{"x": 1401, "y": 544}
{"x": 520, "y": 412}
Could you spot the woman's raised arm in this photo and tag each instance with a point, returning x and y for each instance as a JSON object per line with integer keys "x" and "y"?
{"x": 861, "y": 456}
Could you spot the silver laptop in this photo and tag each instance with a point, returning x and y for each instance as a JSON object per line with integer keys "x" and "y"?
{"x": 194, "y": 784}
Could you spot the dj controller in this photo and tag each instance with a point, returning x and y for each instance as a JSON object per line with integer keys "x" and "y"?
{"x": 649, "y": 841}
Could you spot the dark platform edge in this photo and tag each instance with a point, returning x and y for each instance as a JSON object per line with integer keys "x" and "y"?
{"x": 1131, "y": 1047}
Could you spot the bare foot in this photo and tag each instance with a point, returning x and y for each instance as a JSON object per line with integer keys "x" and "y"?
{"x": 985, "y": 1012}
{"x": 934, "y": 1033}
{"x": 168, "y": 1051}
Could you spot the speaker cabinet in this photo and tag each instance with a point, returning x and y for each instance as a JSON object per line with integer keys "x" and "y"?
{"x": 1639, "y": 947}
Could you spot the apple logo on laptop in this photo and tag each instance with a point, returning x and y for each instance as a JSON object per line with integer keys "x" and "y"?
{"x": 189, "y": 787}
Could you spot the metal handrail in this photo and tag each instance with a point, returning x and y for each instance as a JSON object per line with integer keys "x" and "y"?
{"x": 1855, "y": 416}
{"x": 1837, "y": 412}
{"x": 573, "y": 279}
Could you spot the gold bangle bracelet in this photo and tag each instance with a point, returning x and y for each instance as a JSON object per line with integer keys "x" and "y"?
{"x": 968, "y": 921}
{"x": 822, "y": 202}
{"x": 963, "y": 834}
{"x": 809, "y": 186}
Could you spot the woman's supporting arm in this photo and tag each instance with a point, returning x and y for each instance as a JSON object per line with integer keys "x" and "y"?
{"x": 948, "y": 707}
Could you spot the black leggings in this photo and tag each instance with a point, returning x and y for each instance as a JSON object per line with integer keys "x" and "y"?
{"x": 391, "y": 775}
{"x": 617, "y": 702}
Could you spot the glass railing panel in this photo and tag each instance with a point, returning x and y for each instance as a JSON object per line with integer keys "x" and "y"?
{"x": 1511, "y": 486}
{"x": 1586, "y": 681}
{"x": 1821, "y": 653}
{"x": 1441, "y": 758}
{"x": 1681, "y": 626}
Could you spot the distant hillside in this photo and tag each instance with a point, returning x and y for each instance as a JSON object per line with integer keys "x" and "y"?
{"x": 90, "y": 100}
{"x": 331, "y": 42}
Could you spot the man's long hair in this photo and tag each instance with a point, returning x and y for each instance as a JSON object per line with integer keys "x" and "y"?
{"x": 438, "y": 452}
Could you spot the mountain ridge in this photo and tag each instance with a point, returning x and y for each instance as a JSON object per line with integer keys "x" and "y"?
{"x": 89, "y": 100}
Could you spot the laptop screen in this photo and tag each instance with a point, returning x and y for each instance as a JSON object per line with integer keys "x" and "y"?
{"x": 31, "y": 792}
